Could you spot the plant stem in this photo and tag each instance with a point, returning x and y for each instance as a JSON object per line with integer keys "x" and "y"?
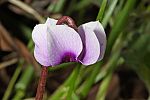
{"x": 42, "y": 83}
{"x": 72, "y": 82}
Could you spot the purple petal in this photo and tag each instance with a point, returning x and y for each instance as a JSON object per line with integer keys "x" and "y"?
{"x": 63, "y": 41}
{"x": 39, "y": 35}
{"x": 91, "y": 49}
{"x": 98, "y": 29}
{"x": 51, "y": 22}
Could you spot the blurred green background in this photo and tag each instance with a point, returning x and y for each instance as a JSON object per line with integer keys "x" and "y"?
{"x": 124, "y": 73}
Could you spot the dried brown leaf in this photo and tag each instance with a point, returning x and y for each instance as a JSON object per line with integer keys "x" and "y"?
{"x": 6, "y": 41}
{"x": 4, "y": 46}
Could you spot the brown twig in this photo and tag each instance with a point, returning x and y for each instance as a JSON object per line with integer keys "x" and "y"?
{"x": 42, "y": 83}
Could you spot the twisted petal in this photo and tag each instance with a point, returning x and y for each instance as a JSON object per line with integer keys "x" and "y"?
{"x": 91, "y": 51}
{"x": 61, "y": 41}
{"x": 39, "y": 35}
{"x": 51, "y": 22}
{"x": 98, "y": 29}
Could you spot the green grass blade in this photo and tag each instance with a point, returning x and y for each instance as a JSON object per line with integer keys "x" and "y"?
{"x": 101, "y": 10}
{"x": 119, "y": 24}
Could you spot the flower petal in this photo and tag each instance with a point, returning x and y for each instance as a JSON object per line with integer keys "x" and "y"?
{"x": 98, "y": 29}
{"x": 63, "y": 40}
{"x": 91, "y": 50}
{"x": 39, "y": 35}
{"x": 51, "y": 22}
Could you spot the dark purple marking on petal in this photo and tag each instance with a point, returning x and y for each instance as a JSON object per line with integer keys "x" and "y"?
{"x": 68, "y": 57}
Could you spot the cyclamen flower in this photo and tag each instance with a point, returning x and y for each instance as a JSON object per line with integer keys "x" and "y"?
{"x": 56, "y": 44}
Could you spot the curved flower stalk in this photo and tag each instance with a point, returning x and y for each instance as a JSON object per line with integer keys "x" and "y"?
{"x": 57, "y": 43}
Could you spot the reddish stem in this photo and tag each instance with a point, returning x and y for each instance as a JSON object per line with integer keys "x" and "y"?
{"x": 68, "y": 20}
{"x": 41, "y": 84}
